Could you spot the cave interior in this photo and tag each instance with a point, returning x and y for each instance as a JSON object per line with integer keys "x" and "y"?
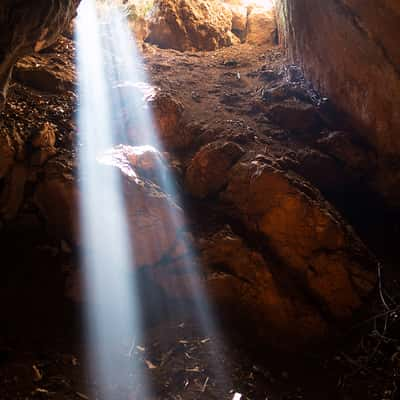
{"x": 199, "y": 199}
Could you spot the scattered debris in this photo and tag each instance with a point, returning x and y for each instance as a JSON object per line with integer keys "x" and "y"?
{"x": 37, "y": 375}
{"x": 82, "y": 396}
{"x": 150, "y": 365}
{"x": 203, "y": 389}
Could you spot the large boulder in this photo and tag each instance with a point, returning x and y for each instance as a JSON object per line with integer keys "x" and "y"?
{"x": 44, "y": 74}
{"x": 294, "y": 115}
{"x": 305, "y": 233}
{"x": 251, "y": 287}
{"x": 26, "y": 28}
{"x": 244, "y": 286}
{"x": 190, "y": 25}
{"x": 168, "y": 117}
{"x": 348, "y": 149}
{"x": 208, "y": 171}
{"x": 154, "y": 220}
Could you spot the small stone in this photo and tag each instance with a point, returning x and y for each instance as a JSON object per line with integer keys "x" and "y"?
{"x": 208, "y": 171}
{"x": 294, "y": 116}
{"x": 46, "y": 137}
{"x": 40, "y": 156}
{"x": 269, "y": 75}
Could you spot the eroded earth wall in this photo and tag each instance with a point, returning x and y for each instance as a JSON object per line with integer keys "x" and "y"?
{"x": 349, "y": 50}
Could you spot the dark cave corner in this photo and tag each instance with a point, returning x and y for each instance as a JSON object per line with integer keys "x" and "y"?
{"x": 269, "y": 199}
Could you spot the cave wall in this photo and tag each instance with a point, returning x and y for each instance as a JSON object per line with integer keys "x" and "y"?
{"x": 349, "y": 50}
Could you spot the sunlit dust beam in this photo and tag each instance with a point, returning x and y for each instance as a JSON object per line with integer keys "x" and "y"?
{"x": 113, "y": 94}
{"x": 131, "y": 69}
{"x": 131, "y": 78}
{"x": 112, "y": 315}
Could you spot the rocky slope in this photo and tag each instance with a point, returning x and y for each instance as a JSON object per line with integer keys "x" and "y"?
{"x": 242, "y": 148}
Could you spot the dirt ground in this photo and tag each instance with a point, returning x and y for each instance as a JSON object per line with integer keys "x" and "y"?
{"x": 42, "y": 346}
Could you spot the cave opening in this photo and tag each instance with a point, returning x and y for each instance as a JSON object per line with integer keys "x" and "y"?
{"x": 199, "y": 199}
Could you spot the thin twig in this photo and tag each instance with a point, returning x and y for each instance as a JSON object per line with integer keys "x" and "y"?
{"x": 380, "y": 287}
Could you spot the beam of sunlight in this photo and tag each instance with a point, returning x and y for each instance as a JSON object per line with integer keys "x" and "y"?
{"x": 114, "y": 91}
{"x": 112, "y": 315}
{"x": 131, "y": 70}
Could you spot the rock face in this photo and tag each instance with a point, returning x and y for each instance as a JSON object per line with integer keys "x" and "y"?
{"x": 31, "y": 72}
{"x": 168, "y": 113}
{"x": 7, "y": 152}
{"x": 26, "y": 28}
{"x": 208, "y": 171}
{"x": 190, "y": 25}
{"x": 356, "y": 65}
{"x": 305, "y": 234}
{"x": 248, "y": 286}
{"x": 294, "y": 116}
{"x": 239, "y": 19}
{"x": 299, "y": 267}
{"x": 152, "y": 217}
{"x": 261, "y": 26}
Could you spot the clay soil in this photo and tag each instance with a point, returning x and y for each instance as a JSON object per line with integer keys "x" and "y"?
{"x": 42, "y": 346}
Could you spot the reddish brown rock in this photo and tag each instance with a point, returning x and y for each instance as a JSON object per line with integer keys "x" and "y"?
{"x": 349, "y": 150}
{"x": 245, "y": 288}
{"x": 57, "y": 197}
{"x": 248, "y": 286}
{"x": 190, "y": 25}
{"x": 46, "y": 137}
{"x": 43, "y": 144}
{"x": 43, "y": 75}
{"x": 239, "y": 19}
{"x": 26, "y": 28}
{"x": 152, "y": 217}
{"x": 168, "y": 116}
{"x": 294, "y": 115}
{"x": 323, "y": 171}
{"x": 306, "y": 234}
{"x": 147, "y": 160}
{"x": 261, "y": 26}
{"x": 7, "y": 152}
{"x": 356, "y": 65}
{"x": 12, "y": 196}
{"x": 208, "y": 171}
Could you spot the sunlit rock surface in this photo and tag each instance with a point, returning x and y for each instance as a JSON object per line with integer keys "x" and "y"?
{"x": 239, "y": 19}
{"x": 356, "y": 64}
{"x": 168, "y": 115}
{"x": 26, "y": 28}
{"x": 48, "y": 77}
{"x": 261, "y": 26}
{"x": 190, "y": 25}
{"x": 154, "y": 220}
{"x": 306, "y": 234}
